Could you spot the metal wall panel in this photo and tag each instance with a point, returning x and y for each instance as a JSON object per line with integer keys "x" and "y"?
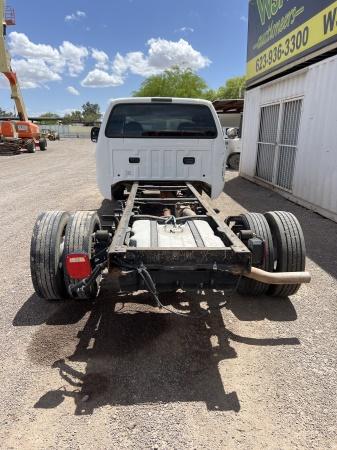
{"x": 277, "y": 145}
{"x": 269, "y": 119}
{"x": 290, "y": 126}
{"x": 265, "y": 161}
{"x": 286, "y": 166}
{"x": 315, "y": 172}
{"x": 291, "y": 117}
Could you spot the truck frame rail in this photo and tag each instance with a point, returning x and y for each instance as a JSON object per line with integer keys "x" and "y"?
{"x": 164, "y": 236}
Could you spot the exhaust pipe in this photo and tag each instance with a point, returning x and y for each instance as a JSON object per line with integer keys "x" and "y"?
{"x": 277, "y": 277}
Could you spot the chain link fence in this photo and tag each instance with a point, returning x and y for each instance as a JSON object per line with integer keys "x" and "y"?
{"x": 69, "y": 131}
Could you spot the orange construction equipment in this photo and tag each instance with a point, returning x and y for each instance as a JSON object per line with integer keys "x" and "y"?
{"x": 28, "y": 134}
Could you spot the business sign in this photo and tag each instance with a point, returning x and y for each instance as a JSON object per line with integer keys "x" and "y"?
{"x": 284, "y": 33}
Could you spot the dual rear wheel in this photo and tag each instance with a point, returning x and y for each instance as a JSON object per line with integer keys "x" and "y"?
{"x": 284, "y": 250}
{"x": 55, "y": 235}
{"x": 233, "y": 161}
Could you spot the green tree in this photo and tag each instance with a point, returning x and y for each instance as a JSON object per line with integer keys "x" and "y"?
{"x": 91, "y": 113}
{"x": 4, "y": 113}
{"x": 210, "y": 94}
{"x": 50, "y": 115}
{"x": 234, "y": 88}
{"x": 73, "y": 117}
{"x": 174, "y": 82}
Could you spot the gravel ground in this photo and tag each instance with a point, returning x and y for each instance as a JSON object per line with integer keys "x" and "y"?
{"x": 262, "y": 373}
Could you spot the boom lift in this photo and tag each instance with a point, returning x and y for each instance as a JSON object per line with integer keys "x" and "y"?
{"x": 22, "y": 133}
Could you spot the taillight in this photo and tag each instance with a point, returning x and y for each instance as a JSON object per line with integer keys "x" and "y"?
{"x": 78, "y": 266}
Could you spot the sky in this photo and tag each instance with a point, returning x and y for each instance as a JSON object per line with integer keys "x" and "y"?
{"x": 68, "y": 52}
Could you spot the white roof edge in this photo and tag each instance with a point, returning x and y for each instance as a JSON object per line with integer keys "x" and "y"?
{"x": 149, "y": 100}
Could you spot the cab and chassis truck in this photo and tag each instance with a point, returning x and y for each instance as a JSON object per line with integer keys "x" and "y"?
{"x": 160, "y": 162}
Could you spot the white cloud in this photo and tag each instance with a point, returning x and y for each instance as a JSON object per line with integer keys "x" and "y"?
{"x": 102, "y": 59}
{"x": 72, "y": 90}
{"x": 38, "y": 64}
{"x": 244, "y": 19}
{"x": 34, "y": 73}
{"x": 76, "y": 16}
{"x": 100, "y": 78}
{"x": 120, "y": 64}
{"x": 4, "y": 83}
{"x": 74, "y": 57}
{"x": 136, "y": 62}
{"x": 185, "y": 30}
{"x": 20, "y": 45}
{"x": 162, "y": 55}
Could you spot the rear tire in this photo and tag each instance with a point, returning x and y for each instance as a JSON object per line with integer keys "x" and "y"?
{"x": 233, "y": 161}
{"x": 46, "y": 255}
{"x": 289, "y": 247}
{"x": 118, "y": 193}
{"x": 258, "y": 224}
{"x": 78, "y": 238}
{"x": 43, "y": 144}
{"x": 30, "y": 146}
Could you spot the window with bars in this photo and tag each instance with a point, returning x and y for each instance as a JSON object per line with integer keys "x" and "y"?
{"x": 277, "y": 142}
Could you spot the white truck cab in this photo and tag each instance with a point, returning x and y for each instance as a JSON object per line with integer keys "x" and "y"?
{"x": 160, "y": 139}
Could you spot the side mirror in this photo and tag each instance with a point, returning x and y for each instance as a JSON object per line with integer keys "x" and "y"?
{"x": 94, "y": 134}
{"x": 232, "y": 133}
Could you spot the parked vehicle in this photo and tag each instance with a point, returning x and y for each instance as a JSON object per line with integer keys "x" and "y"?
{"x": 50, "y": 135}
{"x": 157, "y": 158}
{"x": 24, "y": 133}
{"x": 233, "y": 147}
{"x": 13, "y": 136}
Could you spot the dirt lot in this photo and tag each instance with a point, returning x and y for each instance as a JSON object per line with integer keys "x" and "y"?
{"x": 74, "y": 375}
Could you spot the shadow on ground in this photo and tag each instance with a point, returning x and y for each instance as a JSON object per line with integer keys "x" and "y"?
{"x": 121, "y": 350}
{"x": 320, "y": 233}
{"x": 135, "y": 354}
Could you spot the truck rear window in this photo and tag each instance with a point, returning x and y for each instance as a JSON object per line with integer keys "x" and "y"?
{"x": 158, "y": 120}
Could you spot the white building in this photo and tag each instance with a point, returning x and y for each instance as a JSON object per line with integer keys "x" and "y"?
{"x": 290, "y": 133}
